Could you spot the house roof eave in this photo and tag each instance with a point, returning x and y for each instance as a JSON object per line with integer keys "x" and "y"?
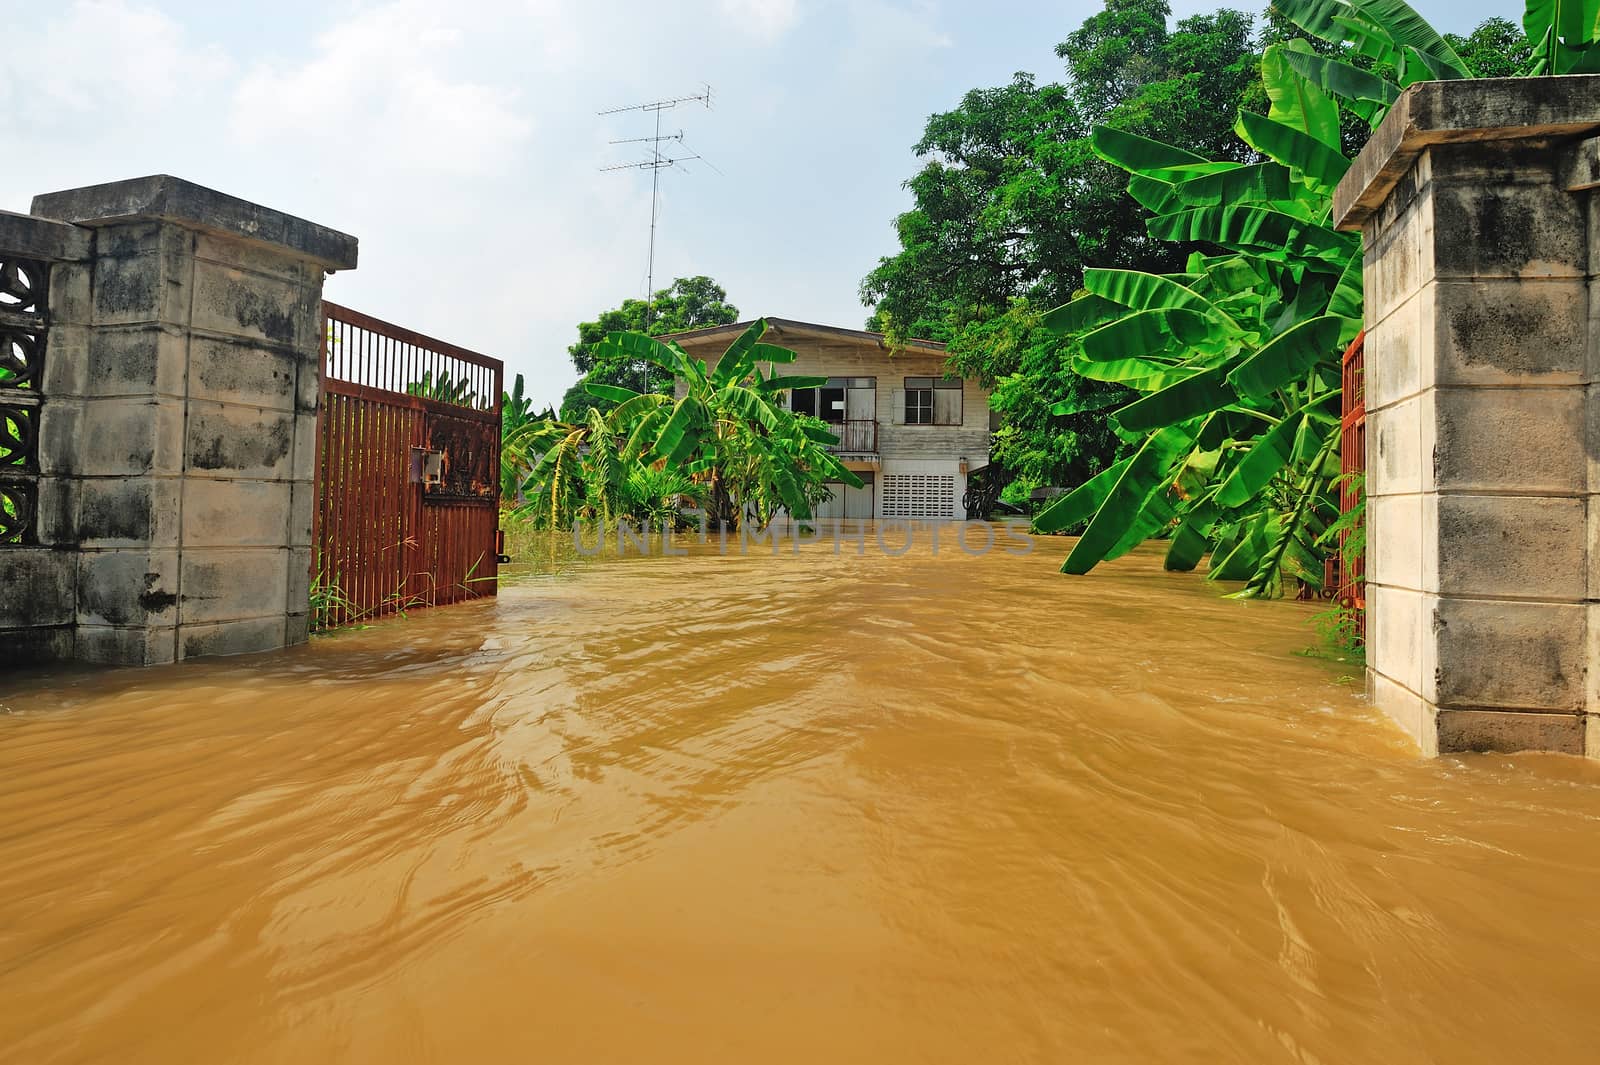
{"x": 778, "y": 327}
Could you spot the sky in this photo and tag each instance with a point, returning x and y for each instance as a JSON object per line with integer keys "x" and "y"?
{"x": 460, "y": 141}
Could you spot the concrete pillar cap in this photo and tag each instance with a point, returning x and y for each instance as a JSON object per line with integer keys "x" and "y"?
{"x": 1480, "y": 110}
{"x": 170, "y": 199}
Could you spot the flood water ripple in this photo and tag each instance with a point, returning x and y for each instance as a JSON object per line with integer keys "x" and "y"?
{"x": 796, "y": 809}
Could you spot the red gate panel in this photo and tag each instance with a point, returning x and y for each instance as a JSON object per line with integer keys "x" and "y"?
{"x": 1353, "y": 466}
{"x": 408, "y": 454}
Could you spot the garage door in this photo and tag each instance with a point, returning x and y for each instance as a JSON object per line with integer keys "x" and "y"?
{"x": 919, "y": 495}
{"x": 848, "y": 502}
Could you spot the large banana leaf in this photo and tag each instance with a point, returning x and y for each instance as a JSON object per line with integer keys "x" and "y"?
{"x": 1287, "y": 358}
{"x": 1189, "y": 545}
{"x": 1317, "y": 160}
{"x": 1142, "y": 291}
{"x": 1265, "y": 459}
{"x": 1379, "y": 29}
{"x": 614, "y": 393}
{"x": 1406, "y": 27}
{"x": 1147, "y": 332}
{"x": 1564, "y": 34}
{"x": 1153, "y": 195}
{"x": 1084, "y": 312}
{"x": 1079, "y": 504}
{"x": 1261, "y": 182}
{"x": 1141, "y": 155}
{"x": 785, "y": 384}
{"x": 1267, "y": 233}
{"x": 1361, "y": 91}
{"x": 1298, "y": 102}
{"x": 1346, "y": 301}
{"x": 641, "y": 347}
{"x": 1190, "y": 398}
{"x": 769, "y": 353}
{"x": 1143, "y": 476}
{"x": 1145, "y": 375}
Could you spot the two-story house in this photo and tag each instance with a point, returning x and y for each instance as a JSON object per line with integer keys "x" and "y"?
{"x": 910, "y": 434}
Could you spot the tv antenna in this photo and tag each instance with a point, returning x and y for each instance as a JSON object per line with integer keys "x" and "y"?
{"x": 657, "y": 162}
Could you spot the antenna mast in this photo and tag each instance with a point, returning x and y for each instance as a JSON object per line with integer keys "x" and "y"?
{"x": 655, "y": 164}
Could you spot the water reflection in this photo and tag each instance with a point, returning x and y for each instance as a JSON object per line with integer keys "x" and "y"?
{"x": 815, "y": 808}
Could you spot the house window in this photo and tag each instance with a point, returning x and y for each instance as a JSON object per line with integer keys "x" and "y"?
{"x": 831, "y": 401}
{"x": 842, "y": 399}
{"x": 933, "y": 401}
{"x": 919, "y": 401}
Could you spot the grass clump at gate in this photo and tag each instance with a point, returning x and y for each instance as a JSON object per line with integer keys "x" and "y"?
{"x": 327, "y": 602}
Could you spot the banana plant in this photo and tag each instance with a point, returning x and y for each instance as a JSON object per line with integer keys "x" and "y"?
{"x": 444, "y": 388}
{"x": 1237, "y": 359}
{"x": 729, "y": 440}
{"x": 730, "y": 429}
{"x": 1565, "y": 35}
{"x": 1388, "y": 35}
{"x": 517, "y": 425}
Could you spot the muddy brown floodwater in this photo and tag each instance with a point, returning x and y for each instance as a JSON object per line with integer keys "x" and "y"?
{"x": 806, "y": 809}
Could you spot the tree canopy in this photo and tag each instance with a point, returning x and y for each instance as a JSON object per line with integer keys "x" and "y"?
{"x": 1012, "y": 203}
{"x": 688, "y": 303}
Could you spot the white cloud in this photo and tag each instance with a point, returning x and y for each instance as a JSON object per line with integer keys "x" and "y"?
{"x": 767, "y": 19}
{"x": 379, "y": 92}
{"x": 105, "y": 58}
{"x": 460, "y": 141}
{"x": 904, "y": 29}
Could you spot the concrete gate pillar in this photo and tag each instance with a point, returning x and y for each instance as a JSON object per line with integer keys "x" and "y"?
{"x": 1480, "y": 206}
{"x": 180, "y": 415}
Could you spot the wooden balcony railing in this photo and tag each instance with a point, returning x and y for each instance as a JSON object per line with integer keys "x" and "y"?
{"x": 855, "y": 438}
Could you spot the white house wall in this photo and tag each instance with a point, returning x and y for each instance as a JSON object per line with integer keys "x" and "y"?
{"x": 903, "y": 450}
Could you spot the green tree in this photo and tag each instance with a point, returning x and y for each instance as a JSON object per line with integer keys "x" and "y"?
{"x": 1037, "y": 445}
{"x": 1496, "y": 49}
{"x": 688, "y": 303}
{"x": 1013, "y": 203}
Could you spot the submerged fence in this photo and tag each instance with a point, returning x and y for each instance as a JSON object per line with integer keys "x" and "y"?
{"x": 408, "y": 460}
{"x": 1349, "y": 567}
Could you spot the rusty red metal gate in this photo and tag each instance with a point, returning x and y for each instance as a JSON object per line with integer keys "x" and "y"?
{"x": 1353, "y": 467}
{"x": 408, "y": 460}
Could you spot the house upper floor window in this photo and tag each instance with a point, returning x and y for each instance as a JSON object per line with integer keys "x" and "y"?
{"x": 842, "y": 399}
{"x": 933, "y": 401}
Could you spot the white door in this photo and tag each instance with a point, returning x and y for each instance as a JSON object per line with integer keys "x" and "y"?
{"x": 858, "y": 501}
{"x": 832, "y": 508}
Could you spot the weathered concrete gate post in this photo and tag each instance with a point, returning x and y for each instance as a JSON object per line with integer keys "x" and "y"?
{"x": 1480, "y": 204}
{"x": 179, "y": 417}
